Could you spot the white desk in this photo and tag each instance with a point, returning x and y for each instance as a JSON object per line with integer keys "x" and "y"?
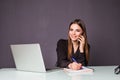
{"x": 100, "y": 73}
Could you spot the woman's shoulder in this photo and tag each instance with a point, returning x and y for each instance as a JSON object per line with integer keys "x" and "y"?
{"x": 62, "y": 41}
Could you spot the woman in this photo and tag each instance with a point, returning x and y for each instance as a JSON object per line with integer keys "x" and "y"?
{"x": 74, "y": 52}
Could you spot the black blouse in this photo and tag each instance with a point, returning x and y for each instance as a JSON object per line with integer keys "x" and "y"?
{"x": 62, "y": 53}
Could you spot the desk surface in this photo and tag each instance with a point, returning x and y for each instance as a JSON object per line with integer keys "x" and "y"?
{"x": 100, "y": 73}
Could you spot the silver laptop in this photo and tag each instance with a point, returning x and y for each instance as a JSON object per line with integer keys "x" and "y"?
{"x": 28, "y": 57}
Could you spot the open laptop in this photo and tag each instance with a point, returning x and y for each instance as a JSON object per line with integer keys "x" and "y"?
{"x": 28, "y": 57}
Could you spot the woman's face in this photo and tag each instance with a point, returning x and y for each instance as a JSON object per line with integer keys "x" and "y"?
{"x": 75, "y": 31}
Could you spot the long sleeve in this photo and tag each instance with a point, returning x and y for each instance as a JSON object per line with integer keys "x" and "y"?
{"x": 62, "y": 60}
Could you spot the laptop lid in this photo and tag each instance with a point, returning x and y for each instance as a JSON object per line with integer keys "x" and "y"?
{"x": 28, "y": 57}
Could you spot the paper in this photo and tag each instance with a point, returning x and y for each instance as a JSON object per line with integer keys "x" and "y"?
{"x": 84, "y": 70}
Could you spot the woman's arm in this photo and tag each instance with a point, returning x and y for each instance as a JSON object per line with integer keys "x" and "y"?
{"x": 62, "y": 60}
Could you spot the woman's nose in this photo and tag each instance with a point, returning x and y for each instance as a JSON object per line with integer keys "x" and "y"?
{"x": 73, "y": 32}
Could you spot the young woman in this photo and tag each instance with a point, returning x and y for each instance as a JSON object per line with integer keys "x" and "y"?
{"x": 74, "y": 52}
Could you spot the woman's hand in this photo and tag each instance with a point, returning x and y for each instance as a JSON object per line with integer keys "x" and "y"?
{"x": 81, "y": 39}
{"x": 75, "y": 66}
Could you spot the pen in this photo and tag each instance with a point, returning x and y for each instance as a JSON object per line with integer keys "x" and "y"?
{"x": 74, "y": 59}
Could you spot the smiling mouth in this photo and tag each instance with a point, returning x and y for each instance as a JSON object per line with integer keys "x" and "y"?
{"x": 74, "y": 36}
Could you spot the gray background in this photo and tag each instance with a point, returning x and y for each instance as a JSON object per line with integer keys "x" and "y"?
{"x": 46, "y": 21}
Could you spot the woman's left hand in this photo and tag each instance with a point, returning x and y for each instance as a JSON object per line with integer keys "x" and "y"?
{"x": 82, "y": 43}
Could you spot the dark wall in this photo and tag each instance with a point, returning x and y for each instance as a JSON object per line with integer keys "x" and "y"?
{"x": 46, "y": 21}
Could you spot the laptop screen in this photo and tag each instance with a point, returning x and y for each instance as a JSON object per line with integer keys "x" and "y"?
{"x": 28, "y": 57}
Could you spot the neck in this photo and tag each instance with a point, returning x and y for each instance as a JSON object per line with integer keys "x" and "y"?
{"x": 75, "y": 43}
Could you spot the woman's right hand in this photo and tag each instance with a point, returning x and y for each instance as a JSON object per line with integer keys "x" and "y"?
{"x": 75, "y": 66}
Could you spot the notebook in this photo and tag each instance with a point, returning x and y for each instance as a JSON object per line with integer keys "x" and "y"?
{"x": 28, "y": 57}
{"x": 84, "y": 70}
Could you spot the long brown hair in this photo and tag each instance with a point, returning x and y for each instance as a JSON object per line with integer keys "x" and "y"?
{"x": 86, "y": 49}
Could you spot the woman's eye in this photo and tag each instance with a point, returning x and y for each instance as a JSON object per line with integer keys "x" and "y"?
{"x": 71, "y": 29}
{"x": 78, "y": 30}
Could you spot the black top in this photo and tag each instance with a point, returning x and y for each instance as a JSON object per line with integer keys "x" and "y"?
{"x": 62, "y": 54}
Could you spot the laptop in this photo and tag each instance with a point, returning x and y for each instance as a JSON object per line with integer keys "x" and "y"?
{"x": 28, "y": 57}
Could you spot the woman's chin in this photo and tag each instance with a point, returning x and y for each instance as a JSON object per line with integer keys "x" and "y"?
{"x": 75, "y": 40}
